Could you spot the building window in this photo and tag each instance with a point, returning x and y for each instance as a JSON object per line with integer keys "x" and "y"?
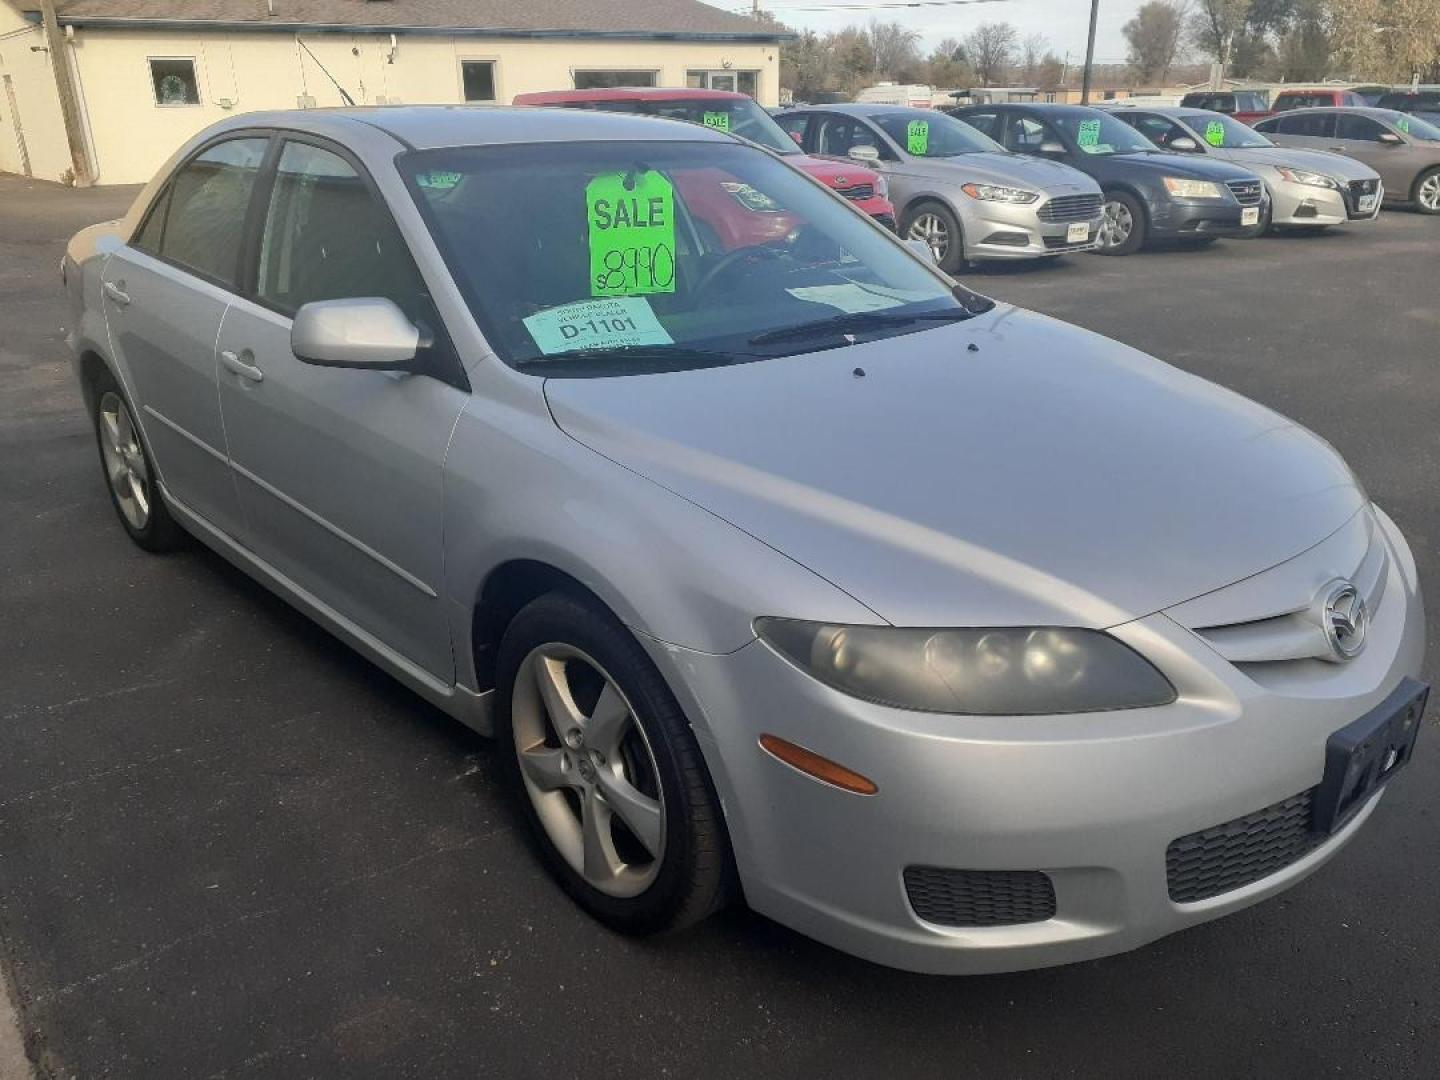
{"x": 605, "y": 80}
{"x": 174, "y": 81}
{"x": 746, "y": 82}
{"x": 478, "y": 77}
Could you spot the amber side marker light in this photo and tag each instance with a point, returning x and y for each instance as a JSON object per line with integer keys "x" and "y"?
{"x": 812, "y": 764}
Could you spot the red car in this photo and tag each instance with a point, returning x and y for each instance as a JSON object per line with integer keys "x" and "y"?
{"x": 1324, "y": 97}
{"x": 739, "y": 115}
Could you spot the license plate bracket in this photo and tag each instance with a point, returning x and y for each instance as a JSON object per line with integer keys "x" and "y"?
{"x": 1366, "y": 204}
{"x": 1250, "y": 215}
{"x": 1362, "y": 756}
{"x": 1077, "y": 233}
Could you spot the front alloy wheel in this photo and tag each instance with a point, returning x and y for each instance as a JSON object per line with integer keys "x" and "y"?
{"x": 1119, "y": 224}
{"x": 934, "y": 231}
{"x": 588, "y": 769}
{"x": 1427, "y": 192}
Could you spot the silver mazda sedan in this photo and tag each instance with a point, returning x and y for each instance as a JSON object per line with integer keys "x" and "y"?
{"x": 781, "y": 568}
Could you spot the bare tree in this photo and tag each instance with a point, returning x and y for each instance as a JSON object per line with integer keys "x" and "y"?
{"x": 1032, "y": 54}
{"x": 1154, "y": 35}
{"x": 947, "y": 66}
{"x": 1216, "y": 26}
{"x": 990, "y": 48}
{"x": 896, "y": 48}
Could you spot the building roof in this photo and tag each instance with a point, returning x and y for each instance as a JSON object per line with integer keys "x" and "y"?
{"x": 674, "y": 19}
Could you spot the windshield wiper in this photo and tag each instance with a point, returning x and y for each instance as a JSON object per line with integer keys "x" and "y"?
{"x": 662, "y": 354}
{"x": 860, "y": 321}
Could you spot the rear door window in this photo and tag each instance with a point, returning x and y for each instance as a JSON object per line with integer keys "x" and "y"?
{"x": 1310, "y": 125}
{"x": 199, "y": 223}
{"x": 987, "y": 123}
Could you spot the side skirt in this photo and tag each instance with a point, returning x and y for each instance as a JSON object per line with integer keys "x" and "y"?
{"x": 472, "y": 708}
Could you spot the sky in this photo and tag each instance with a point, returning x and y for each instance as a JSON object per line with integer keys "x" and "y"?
{"x": 1064, "y": 23}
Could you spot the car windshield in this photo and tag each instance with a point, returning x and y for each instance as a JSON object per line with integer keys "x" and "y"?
{"x": 1414, "y": 126}
{"x": 616, "y": 258}
{"x": 923, "y": 133}
{"x": 1099, "y": 133}
{"x": 739, "y": 116}
{"x": 1220, "y": 130}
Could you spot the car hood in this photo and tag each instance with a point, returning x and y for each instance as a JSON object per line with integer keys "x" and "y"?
{"x": 830, "y": 173}
{"x": 1335, "y": 165}
{"x": 1053, "y": 477}
{"x": 1048, "y": 177}
{"x": 1182, "y": 165}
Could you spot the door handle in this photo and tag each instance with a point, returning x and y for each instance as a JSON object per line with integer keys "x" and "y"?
{"x": 116, "y": 292}
{"x": 240, "y": 364}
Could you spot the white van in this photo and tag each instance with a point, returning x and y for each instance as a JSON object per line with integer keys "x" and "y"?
{"x": 914, "y": 95}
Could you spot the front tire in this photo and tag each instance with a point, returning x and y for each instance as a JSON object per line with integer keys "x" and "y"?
{"x": 1123, "y": 230}
{"x": 130, "y": 474}
{"x": 938, "y": 227}
{"x": 606, "y": 770}
{"x": 1426, "y": 193}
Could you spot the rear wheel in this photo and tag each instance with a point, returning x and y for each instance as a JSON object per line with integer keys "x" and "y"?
{"x": 1426, "y": 194}
{"x": 940, "y": 230}
{"x": 129, "y": 472}
{"x": 1123, "y": 229}
{"x": 608, "y": 773}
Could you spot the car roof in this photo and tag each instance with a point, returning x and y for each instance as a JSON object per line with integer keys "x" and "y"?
{"x": 863, "y": 108}
{"x": 1035, "y": 106}
{"x": 1359, "y": 110}
{"x": 424, "y": 127}
{"x": 1174, "y": 112}
{"x": 629, "y": 93}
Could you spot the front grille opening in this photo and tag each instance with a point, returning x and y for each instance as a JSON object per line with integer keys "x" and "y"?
{"x": 979, "y": 897}
{"x": 1247, "y": 192}
{"x": 1241, "y": 852}
{"x": 1071, "y": 208}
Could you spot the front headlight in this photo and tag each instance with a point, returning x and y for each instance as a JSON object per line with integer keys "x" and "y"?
{"x": 992, "y": 193}
{"x": 1192, "y": 189}
{"x": 1000, "y": 672}
{"x": 882, "y": 187}
{"x": 1309, "y": 179}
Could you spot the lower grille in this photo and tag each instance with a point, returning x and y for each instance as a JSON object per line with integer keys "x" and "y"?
{"x": 1070, "y": 208}
{"x": 1059, "y": 243}
{"x": 979, "y": 897}
{"x": 1247, "y": 192}
{"x": 858, "y": 192}
{"x": 1240, "y": 852}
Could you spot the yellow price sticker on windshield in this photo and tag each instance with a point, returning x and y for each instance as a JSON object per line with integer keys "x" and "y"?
{"x": 632, "y": 234}
{"x": 917, "y": 137}
{"x": 720, "y": 121}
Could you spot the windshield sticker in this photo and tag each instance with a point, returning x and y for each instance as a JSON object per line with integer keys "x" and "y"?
{"x": 917, "y": 137}
{"x": 720, "y": 121}
{"x": 438, "y": 180}
{"x": 1215, "y": 133}
{"x": 751, "y": 198}
{"x": 1403, "y": 123}
{"x": 1089, "y": 136}
{"x": 632, "y": 234}
{"x": 596, "y": 324}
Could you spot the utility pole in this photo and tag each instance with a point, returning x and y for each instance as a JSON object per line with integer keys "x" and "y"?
{"x": 1090, "y": 54}
{"x": 65, "y": 88}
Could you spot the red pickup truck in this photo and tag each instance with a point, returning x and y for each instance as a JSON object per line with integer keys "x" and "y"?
{"x": 739, "y": 115}
{"x": 1247, "y": 106}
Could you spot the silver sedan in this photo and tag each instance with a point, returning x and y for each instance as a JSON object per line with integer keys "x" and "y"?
{"x": 1308, "y": 188}
{"x": 955, "y": 188}
{"x": 778, "y": 564}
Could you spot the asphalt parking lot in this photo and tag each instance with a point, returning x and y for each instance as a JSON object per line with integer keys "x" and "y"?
{"x": 230, "y": 847}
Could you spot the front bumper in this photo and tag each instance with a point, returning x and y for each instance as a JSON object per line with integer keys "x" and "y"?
{"x": 1306, "y": 205}
{"x": 1090, "y": 801}
{"x": 1007, "y": 231}
{"x": 1177, "y": 218}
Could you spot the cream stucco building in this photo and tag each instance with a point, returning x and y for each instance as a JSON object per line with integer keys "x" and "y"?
{"x": 148, "y": 74}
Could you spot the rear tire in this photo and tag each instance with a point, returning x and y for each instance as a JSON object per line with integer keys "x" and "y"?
{"x": 936, "y": 224}
{"x": 129, "y": 472}
{"x": 1124, "y": 227}
{"x": 1426, "y": 192}
{"x": 606, "y": 770}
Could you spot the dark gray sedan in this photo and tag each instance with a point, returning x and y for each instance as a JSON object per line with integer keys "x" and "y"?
{"x": 1403, "y": 149}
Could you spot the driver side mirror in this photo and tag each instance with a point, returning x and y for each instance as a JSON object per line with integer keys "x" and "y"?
{"x": 1389, "y": 138}
{"x": 1051, "y": 148}
{"x": 366, "y": 332}
{"x": 866, "y": 155}
{"x": 1184, "y": 144}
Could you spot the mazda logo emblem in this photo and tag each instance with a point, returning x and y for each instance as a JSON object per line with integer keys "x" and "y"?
{"x": 1345, "y": 621}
